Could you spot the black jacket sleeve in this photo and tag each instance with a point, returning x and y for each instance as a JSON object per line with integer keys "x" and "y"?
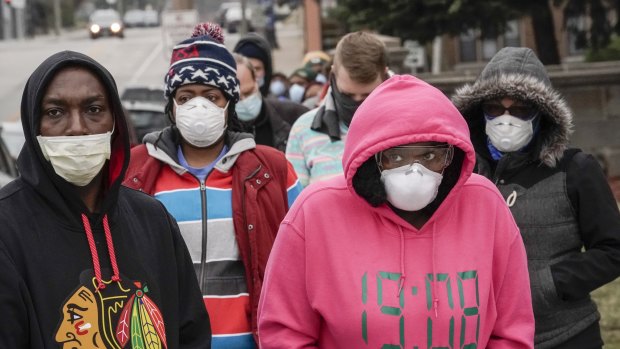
{"x": 16, "y": 308}
{"x": 599, "y": 224}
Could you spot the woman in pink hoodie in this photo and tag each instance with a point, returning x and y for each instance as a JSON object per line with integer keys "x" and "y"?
{"x": 408, "y": 249}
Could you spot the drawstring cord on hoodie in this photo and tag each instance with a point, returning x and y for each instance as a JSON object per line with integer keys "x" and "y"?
{"x": 401, "y": 280}
{"x": 93, "y": 250}
{"x": 435, "y": 299}
{"x": 403, "y": 276}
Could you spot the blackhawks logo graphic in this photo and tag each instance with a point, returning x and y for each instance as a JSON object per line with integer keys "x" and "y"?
{"x": 119, "y": 316}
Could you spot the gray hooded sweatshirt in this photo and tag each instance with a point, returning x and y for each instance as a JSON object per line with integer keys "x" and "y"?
{"x": 559, "y": 197}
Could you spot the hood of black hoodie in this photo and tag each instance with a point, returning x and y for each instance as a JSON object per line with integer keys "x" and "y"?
{"x": 263, "y": 45}
{"x": 39, "y": 173}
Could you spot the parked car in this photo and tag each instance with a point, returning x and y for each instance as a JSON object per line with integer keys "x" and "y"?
{"x": 134, "y": 18}
{"x": 8, "y": 167}
{"x": 151, "y": 18}
{"x": 12, "y": 135}
{"x": 220, "y": 15}
{"x": 142, "y": 93}
{"x": 145, "y": 109}
{"x": 282, "y": 11}
{"x": 233, "y": 18}
{"x": 105, "y": 23}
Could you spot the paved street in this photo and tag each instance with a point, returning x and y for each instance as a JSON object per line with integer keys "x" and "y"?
{"x": 139, "y": 59}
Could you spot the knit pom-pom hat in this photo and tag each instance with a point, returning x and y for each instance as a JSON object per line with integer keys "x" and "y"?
{"x": 203, "y": 59}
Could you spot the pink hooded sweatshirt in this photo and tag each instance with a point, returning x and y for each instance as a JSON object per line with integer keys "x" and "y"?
{"x": 345, "y": 274}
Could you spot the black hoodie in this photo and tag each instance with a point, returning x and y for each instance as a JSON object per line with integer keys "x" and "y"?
{"x": 255, "y": 46}
{"x": 48, "y": 286}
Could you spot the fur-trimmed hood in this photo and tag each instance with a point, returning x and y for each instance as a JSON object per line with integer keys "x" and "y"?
{"x": 517, "y": 72}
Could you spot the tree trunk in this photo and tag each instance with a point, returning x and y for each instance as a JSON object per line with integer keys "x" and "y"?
{"x": 544, "y": 33}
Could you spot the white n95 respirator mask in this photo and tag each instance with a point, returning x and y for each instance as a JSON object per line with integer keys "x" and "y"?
{"x": 508, "y": 133}
{"x": 200, "y": 121}
{"x": 411, "y": 187}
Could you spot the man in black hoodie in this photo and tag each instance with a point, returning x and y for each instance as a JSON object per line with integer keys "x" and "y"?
{"x": 87, "y": 263}
{"x": 268, "y": 119}
{"x": 258, "y": 51}
{"x": 272, "y": 124}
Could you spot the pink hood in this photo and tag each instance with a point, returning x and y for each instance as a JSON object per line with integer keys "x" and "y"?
{"x": 392, "y": 116}
{"x": 345, "y": 274}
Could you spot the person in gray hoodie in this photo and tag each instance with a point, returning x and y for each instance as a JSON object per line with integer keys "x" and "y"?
{"x": 520, "y": 127}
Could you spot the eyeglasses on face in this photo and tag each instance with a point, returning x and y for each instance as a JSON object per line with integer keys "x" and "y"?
{"x": 521, "y": 111}
{"x": 434, "y": 157}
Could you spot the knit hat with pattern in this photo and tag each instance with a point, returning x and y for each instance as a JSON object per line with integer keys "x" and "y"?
{"x": 203, "y": 59}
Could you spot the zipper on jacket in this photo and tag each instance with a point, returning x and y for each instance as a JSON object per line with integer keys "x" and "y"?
{"x": 501, "y": 166}
{"x": 203, "y": 253}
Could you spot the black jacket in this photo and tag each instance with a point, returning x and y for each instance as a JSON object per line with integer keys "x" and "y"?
{"x": 274, "y": 122}
{"x": 48, "y": 292}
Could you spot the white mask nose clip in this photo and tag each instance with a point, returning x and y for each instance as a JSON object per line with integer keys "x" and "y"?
{"x": 414, "y": 169}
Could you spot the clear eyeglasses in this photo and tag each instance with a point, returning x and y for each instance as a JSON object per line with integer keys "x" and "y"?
{"x": 434, "y": 157}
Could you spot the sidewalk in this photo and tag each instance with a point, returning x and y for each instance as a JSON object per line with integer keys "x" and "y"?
{"x": 290, "y": 36}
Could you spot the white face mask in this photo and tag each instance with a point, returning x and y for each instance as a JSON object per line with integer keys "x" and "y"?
{"x": 411, "y": 187}
{"x": 248, "y": 109}
{"x": 508, "y": 133}
{"x": 200, "y": 121}
{"x": 277, "y": 88}
{"x": 77, "y": 159}
{"x": 296, "y": 93}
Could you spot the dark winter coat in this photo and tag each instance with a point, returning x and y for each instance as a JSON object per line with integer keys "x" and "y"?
{"x": 273, "y": 124}
{"x": 559, "y": 197}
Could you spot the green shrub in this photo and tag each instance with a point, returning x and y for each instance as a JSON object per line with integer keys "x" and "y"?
{"x": 608, "y": 300}
{"x": 609, "y": 53}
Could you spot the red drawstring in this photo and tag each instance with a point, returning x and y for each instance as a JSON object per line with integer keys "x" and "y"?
{"x": 93, "y": 251}
{"x": 108, "y": 238}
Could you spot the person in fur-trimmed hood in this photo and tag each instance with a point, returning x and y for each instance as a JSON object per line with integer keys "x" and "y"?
{"x": 520, "y": 127}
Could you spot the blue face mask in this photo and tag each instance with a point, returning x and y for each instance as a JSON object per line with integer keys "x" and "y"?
{"x": 277, "y": 88}
{"x": 261, "y": 81}
{"x": 296, "y": 93}
{"x": 248, "y": 109}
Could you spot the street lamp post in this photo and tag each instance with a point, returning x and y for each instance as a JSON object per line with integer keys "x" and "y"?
{"x": 244, "y": 21}
{"x": 57, "y": 17}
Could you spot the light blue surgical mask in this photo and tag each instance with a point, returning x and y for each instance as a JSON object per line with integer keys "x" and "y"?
{"x": 248, "y": 108}
{"x": 277, "y": 88}
{"x": 296, "y": 93}
{"x": 260, "y": 81}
